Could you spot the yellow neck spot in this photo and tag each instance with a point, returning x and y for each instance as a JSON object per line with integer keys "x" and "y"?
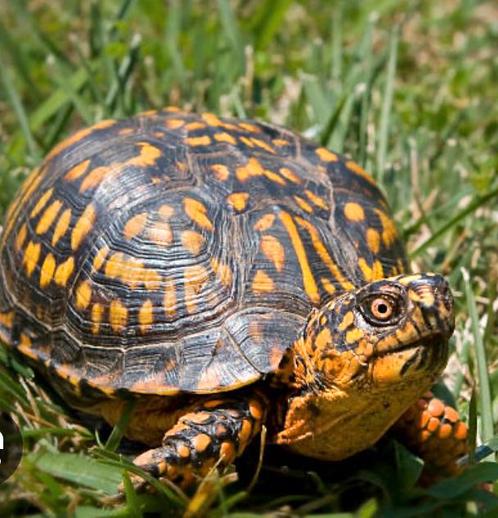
{"x": 353, "y": 336}
{"x": 346, "y": 321}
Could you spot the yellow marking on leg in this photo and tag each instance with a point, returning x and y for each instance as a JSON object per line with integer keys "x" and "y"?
{"x": 83, "y": 294}
{"x": 31, "y": 257}
{"x": 198, "y": 141}
{"x": 225, "y": 137}
{"x": 48, "y": 217}
{"x": 373, "y": 240}
{"x": 192, "y": 241}
{"x": 309, "y": 283}
{"x": 64, "y": 271}
{"x": 197, "y": 212}
{"x": 21, "y": 237}
{"x": 353, "y": 166}
{"x": 97, "y": 317}
{"x": 47, "y": 271}
{"x": 238, "y": 200}
{"x": 146, "y": 316}
{"x": 354, "y": 211}
{"x": 221, "y": 172}
{"x": 118, "y": 315}
{"x": 40, "y": 204}
{"x": 251, "y": 169}
{"x": 62, "y": 226}
{"x": 84, "y": 224}
{"x": 77, "y": 171}
{"x": 265, "y": 222}
{"x": 135, "y": 225}
{"x": 326, "y": 155}
{"x": 262, "y": 283}
{"x": 273, "y": 249}
{"x": 79, "y": 136}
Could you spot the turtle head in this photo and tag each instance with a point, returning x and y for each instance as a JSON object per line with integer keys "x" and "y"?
{"x": 365, "y": 356}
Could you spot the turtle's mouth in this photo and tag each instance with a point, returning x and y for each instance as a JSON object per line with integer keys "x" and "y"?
{"x": 428, "y": 342}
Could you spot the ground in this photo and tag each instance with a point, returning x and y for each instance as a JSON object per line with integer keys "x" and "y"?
{"x": 406, "y": 88}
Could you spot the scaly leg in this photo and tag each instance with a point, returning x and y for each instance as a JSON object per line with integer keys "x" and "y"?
{"x": 434, "y": 431}
{"x": 214, "y": 433}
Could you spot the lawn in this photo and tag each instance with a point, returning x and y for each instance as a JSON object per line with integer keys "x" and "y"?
{"x": 406, "y": 88}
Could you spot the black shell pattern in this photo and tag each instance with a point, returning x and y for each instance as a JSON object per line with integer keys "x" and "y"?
{"x": 180, "y": 252}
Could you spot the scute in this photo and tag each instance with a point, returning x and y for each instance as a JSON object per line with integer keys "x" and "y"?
{"x": 176, "y": 252}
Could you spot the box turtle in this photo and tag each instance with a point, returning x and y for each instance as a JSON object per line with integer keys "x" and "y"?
{"x": 224, "y": 274}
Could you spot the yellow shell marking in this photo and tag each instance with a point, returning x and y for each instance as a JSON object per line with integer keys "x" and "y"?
{"x": 48, "y": 217}
{"x": 192, "y": 241}
{"x": 303, "y": 204}
{"x": 274, "y": 177}
{"x": 309, "y": 283}
{"x": 211, "y": 120}
{"x": 100, "y": 257}
{"x": 359, "y": 171}
{"x": 262, "y": 282}
{"x": 78, "y": 136}
{"x": 289, "y": 175}
{"x": 326, "y": 155}
{"x": 389, "y": 233}
{"x": 169, "y": 300}
{"x": 264, "y": 223}
{"x": 316, "y": 200}
{"x": 373, "y": 240}
{"x": 148, "y": 156}
{"x": 83, "y": 226}
{"x": 223, "y": 272}
{"x": 354, "y": 211}
{"x": 62, "y": 226}
{"x": 195, "y": 125}
{"x": 97, "y": 317}
{"x": 221, "y": 172}
{"x": 224, "y": 137}
{"x": 31, "y": 257}
{"x": 371, "y": 273}
{"x": 83, "y": 295}
{"x": 195, "y": 277}
{"x": 47, "y": 271}
{"x": 21, "y": 237}
{"x": 135, "y": 225}
{"x": 95, "y": 176}
{"x": 118, "y": 315}
{"x": 40, "y": 204}
{"x": 77, "y": 171}
{"x": 7, "y": 319}
{"x": 64, "y": 271}
{"x": 250, "y": 128}
{"x": 273, "y": 249}
{"x": 238, "y": 200}
{"x": 262, "y": 144}
{"x": 252, "y": 168}
{"x": 146, "y": 316}
{"x": 322, "y": 252}
{"x": 247, "y": 141}
{"x": 196, "y": 211}
{"x": 160, "y": 233}
{"x": 280, "y": 142}
{"x": 174, "y": 123}
{"x": 327, "y": 285}
{"x": 198, "y": 141}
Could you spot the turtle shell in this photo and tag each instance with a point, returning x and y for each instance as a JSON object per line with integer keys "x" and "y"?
{"x": 180, "y": 252}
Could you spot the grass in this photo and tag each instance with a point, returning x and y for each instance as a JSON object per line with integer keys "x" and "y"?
{"x": 406, "y": 88}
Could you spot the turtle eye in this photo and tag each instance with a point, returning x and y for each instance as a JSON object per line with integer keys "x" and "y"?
{"x": 381, "y": 310}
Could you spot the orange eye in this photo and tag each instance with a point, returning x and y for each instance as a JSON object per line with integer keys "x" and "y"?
{"x": 382, "y": 309}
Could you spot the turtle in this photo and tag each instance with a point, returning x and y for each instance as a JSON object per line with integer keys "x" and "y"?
{"x": 224, "y": 275}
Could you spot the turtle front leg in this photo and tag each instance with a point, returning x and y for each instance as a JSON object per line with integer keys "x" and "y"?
{"x": 434, "y": 431}
{"x": 212, "y": 434}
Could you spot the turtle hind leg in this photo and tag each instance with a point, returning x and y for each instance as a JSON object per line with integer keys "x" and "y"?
{"x": 214, "y": 433}
{"x": 434, "y": 431}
